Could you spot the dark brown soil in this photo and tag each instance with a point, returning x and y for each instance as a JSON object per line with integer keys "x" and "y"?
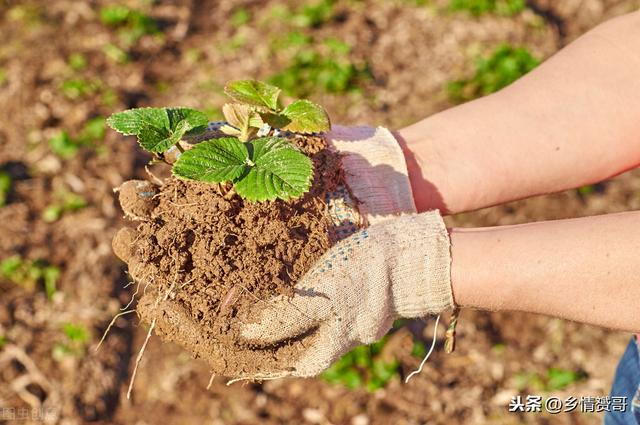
{"x": 211, "y": 255}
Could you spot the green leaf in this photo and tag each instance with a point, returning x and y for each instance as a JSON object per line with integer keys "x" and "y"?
{"x": 275, "y": 120}
{"x": 253, "y": 92}
{"x": 76, "y": 333}
{"x": 50, "y": 275}
{"x": 193, "y": 120}
{"x": 158, "y": 128}
{"x": 63, "y": 145}
{"x": 306, "y": 117}
{"x": 213, "y": 161}
{"x": 263, "y": 169}
{"x": 5, "y": 187}
{"x": 243, "y": 118}
{"x": 130, "y": 122}
{"x": 277, "y": 170}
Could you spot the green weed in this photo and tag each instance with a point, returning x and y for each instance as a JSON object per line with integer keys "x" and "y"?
{"x": 28, "y": 273}
{"x": 314, "y": 15}
{"x": 77, "y": 88}
{"x": 115, "y": 53}
{"x": 109, "y": 97}
{"x": 77, "y": 61}
{"x": 363, "y": 368}
{"x": 74, "y": 344}
{"x": 240, "y": 17}
{"x": 65, "y": 146}
{"x": 5, "y": 187}
{"x": 555, "y": 379}
{"x": 29, "y": 15}
{"x": 3, "y": 341}
{"x": 131, "y": 24}
{"x": 505, "y": 65}
{"x": 327, "y": 69}
{"x": 480, "y": 7}
{"x": 65, "y": 202}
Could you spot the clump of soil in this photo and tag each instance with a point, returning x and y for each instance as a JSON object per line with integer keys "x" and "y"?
{"x": 203, "y": 256}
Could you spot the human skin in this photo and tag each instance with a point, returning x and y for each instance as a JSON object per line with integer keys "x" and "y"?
{"x": 575, "y": 120}
{"x": 583, "y": 269}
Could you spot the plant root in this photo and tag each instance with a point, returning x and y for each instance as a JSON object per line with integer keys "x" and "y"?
{"x": 147, "y": 338}
{"x": 113, "y": 321}
{"x": 139, "y": 358}
{"x": 433, "y": 344}
{"x": 213, "y": 375}
{"x": 153, "y": 176}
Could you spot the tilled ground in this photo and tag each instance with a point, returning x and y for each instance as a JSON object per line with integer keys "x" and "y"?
{"x": 412, "y": 51}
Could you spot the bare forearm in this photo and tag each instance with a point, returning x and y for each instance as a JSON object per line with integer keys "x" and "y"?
{"x": 584, "y": 269}
{"x": 574, "y": 120}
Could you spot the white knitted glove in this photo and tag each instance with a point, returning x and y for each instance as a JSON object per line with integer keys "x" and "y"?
{"x": 397, "y": 268}
{"x": 375, "y": 171}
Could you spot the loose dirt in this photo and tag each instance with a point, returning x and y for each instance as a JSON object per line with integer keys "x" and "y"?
{"x": 212, "y": 255}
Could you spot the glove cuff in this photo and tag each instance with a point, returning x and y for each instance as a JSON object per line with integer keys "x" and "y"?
{"x": 375, "y": 171}
{"x": 420, "y": 265}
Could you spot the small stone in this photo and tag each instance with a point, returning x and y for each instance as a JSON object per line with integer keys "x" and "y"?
{"x": 314, "y": 416}
{"x": 360, "y": 419}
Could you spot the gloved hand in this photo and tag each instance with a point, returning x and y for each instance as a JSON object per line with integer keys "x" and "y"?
{"x": 376, "y": 177}
{"x": 396, "y": 268}
{"x": 375, "y": 171}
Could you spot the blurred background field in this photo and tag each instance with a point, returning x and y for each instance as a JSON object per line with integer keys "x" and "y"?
{"x": 66, "y": 65}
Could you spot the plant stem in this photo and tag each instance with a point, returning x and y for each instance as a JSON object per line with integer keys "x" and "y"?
{"x": 180, "y": 148}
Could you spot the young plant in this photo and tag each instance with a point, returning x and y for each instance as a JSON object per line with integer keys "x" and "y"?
{"x": 131, "y": 24}
{"x": 363, "y": 367}
{"x": 324, "y": 66}
{"x": 555, "y": 379}
{"x": 66, "y": 147}
{"x": 27, "y": 273}
{"x": 5, "y": 187}
{"x": 260, "y": 165}
{"x": 504, "y": 66}
{"x": 75, "y": 343}
{"x": 66, "y": 202}
{"x": 480, "y": 7}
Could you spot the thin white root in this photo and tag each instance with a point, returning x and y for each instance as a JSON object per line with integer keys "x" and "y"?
{"x": 259, "y": 377}
{"x": 113, "y": 321}
{"x": 148, "y": 337}
{"x": 153, "y": 176}
{"x": 139, "y": 358}
{"x": 433, "y": 344}
{"x": 213, "y": 375}
{"x": 133, "y": 297}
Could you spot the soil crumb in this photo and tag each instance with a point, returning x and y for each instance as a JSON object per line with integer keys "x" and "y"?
{"x": 203, "y": 255}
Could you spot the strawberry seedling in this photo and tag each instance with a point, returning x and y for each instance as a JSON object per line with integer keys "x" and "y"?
{"x": 254, "y": 157}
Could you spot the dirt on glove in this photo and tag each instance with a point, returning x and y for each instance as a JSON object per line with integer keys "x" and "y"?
{"x": 202, "y": 256}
